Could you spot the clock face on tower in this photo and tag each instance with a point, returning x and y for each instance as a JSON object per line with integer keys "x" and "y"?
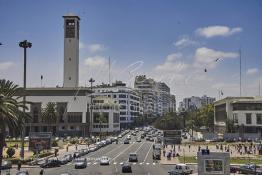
{"x": 70, "y": 28}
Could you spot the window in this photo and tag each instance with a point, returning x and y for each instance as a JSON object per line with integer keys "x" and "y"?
{"x": 116, "y": 118}
{"x": 122, "y": 96}
{"x": 114, "y": 96}
{"x": 235, "y": 118}
{"x": 259, "y": 118}
{"x": 69, "y": 59}
{"x": 72, "y": 127}
{"x": 122, "y": 113}
{"x": 248, "y": 118}
{"x": 69, "y": 78}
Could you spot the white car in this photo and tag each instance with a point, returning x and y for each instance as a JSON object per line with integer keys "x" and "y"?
{"x": 181, "y": 169}
{"x": 104, "y": 160}
{"x": 128, "y": 137}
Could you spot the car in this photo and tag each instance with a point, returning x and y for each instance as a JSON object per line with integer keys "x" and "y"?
{"x": 120, "y": 136}
{"x": 22, "y": 173}
{"x": 133, "y": 157}
{"x": 151, "y": 139}
{"x": 7, "y": 164}
{"x": 77, "y": 154}
{"x": 51, "y": 163}
{"x": 104, "y": 160}
{"x": 156, "y": 154}
{"x": 80, "y": 163}
{"x": 66, "y": 158}
{"x": 128, "y": 137}
{"x": 147, "y": 138}
{"x": 138, "y": 139}
{"x": 126, "y": 168}
{"x": 126, "y": 141}
{"x": 66, "y": 174}
{"x": 181, "y": 169}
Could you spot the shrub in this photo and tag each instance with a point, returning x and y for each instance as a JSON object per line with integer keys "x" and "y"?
{"x": 10, "y": 152}
{"x": 54, "y": 144}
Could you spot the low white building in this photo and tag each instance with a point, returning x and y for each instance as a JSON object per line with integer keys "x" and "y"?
{"x": 105, "y": 116}
{"x": 71, "y": 110}
{"x": 244, "y": 112}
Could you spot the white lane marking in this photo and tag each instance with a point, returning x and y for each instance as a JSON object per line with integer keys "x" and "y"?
{"x": 113, "y": 149}
{"x": 147, "y": 163}
{"x": 95, "y": 163}
{"x": 88, "y": 163}
{"x": 141, "y": 163}
{"x": 139, "y": 147}
{"x": 121, "y": 163}
{"x": 115, "y": 163}
{"x": 154, "y": 163}
{"x": 122, "y": 152}
{"x": 148, "y": 152}
{"x": 134, "y": 163}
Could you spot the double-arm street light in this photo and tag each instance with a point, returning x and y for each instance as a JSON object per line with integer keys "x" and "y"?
{"x": 24, "y": 44}
{"x": 91, "y": 109}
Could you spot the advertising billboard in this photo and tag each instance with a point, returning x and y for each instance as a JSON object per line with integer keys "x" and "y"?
{"x": 172, "y": 137}
{"x": 214, "y": 166}
{"x": 39, "y": 140}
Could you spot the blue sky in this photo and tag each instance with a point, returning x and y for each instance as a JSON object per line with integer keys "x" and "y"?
{"x": 171, "y": 41}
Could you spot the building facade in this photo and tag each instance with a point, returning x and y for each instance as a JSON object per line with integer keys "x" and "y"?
{"x": 105, "y": 115}
{"x": 127, "y": 98}
{"x": 244, "y": 112}
{"x": 71, "y": 108}
{"x": 194, "y": 102}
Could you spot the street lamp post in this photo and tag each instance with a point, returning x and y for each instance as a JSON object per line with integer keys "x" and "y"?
{"x": 24, "y": 44}
{"x": 91, "y": 109}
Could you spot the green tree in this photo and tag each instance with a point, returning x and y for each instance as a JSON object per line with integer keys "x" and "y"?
{"x": 10, "y": 115}
{"x": 169, "y": 121}
{"x": 101, "y": 119}
{"x": 49, "y": 114}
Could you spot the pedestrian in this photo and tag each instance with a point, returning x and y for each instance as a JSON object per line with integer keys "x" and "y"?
{"x": 199, "y": 148}
{"x": 42, "y": 171}
{"x": 164, "y": 152}
{"x": 67, "y": 148}
{"x": 74, "y": 156}
{"x": 19, "y": 164}
{"x": 76, "y": 146}
{"x": 189, "y": 147}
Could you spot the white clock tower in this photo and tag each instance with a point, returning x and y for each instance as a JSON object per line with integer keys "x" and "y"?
{"x": 71, "y": 50}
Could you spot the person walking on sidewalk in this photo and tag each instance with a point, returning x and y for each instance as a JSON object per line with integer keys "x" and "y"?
{"x": 41, "y": 172}
{"x": 19, "y": 164}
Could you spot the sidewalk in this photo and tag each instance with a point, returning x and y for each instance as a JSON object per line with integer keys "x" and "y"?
{"x": 164, "y": 160}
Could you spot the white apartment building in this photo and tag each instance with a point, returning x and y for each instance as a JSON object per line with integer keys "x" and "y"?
{"x": 105, "y": 116}
{"x": 195, "y": 102}
{"x": 127, "y": 98}
{"x": 245, "y": 112}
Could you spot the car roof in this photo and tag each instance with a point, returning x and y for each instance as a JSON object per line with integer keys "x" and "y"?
{"x": 132, "y": 153}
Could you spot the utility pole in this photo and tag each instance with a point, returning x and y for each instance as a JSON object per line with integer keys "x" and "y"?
{"x": 24, "y": 44}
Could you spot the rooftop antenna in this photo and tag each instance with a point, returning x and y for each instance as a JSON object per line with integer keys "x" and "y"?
{"x": 240, "y": 73}
{"x": 109, "y": 67}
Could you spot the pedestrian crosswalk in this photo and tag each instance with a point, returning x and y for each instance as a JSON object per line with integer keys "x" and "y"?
{"x": 121, "y": 163}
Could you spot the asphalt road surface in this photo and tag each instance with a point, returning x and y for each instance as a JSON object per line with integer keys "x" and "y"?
{"x": 118, "y": 154}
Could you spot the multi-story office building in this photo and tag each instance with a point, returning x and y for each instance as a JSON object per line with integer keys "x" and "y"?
{"x": 195, "y": 102}
{"x": 148, "y": 91}
{"x": 244, "y": 112}
{"x": 105, "y": 115}
{"x": 172, "y": 106}
{"x": 128, "y": 99}
{"x": 164, "y": 97}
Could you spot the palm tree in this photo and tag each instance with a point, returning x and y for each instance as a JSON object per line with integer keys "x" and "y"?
{"x": 49, "y": 114}
{"x": 10, "y": 115}
{"x": 101, "y": 119}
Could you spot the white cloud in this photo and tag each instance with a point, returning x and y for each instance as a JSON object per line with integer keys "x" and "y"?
{"x": 95, "y": 61}
{"x": 252, "y": 71}
{"x": 171, "y": 64}
{"x": 6, "y": 65}
{"x": 96, "y": 48}
{"x": 212, "y": 31}
{"x": 205, "y": 57}
{"x": 184, "y": 42}
{"x": 93, "y": 48}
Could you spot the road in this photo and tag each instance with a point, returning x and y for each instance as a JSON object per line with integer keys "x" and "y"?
{"x": 118, "y": 153}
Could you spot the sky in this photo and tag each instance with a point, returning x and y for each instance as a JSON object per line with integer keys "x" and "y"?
{"x": 172, "y": 41}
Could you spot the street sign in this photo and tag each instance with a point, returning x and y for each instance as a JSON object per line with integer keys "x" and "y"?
{"x": 172, "y": 137}
{"x": 39, "y": 140}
